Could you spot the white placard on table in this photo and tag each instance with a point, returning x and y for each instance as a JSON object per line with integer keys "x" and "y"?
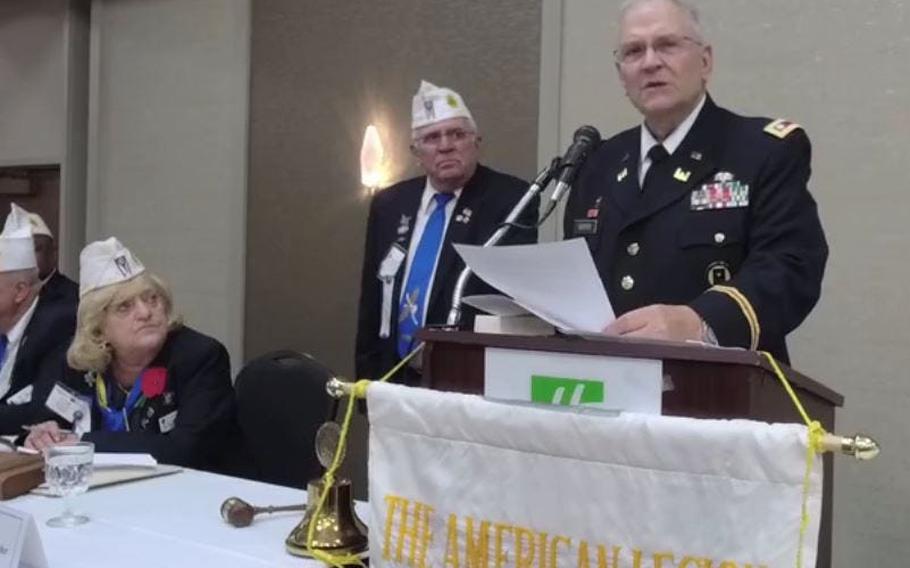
{"x": 20, "y": 543}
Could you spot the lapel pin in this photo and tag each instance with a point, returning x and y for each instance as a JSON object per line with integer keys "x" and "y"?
{"x": 404, "y": 224}
{"x": 622, "y": 175}
{"x": 464, "y": 216}
{"x": 681, "y": 175}
{"x": 696, "y": 156}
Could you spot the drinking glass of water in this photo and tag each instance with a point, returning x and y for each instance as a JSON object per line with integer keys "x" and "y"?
{"x": 67, "y": 470}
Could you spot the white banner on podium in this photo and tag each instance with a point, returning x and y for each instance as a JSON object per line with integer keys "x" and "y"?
{"x": 459, "y": 481}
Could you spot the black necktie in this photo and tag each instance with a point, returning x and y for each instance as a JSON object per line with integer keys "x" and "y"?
{"x": 657, "y": 154}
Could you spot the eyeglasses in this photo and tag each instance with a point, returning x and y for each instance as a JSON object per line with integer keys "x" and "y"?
{"x": 434, "y": 139}
{"x": 123, "y": 308}
{"x": 665, "y": 47}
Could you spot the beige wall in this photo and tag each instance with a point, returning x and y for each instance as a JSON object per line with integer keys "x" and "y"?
{"x": 321, "y": 72}
{"x": 840, "y": 68}
{"x": 32, "y": 82}
{"x": 167, "y": 148}
{"x": 44, "y": 102}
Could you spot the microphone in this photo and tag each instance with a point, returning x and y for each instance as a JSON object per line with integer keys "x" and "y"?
{"x": 585, "y": 138}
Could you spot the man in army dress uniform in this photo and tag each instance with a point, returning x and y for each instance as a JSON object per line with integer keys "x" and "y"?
{"x": 700, "y": 220}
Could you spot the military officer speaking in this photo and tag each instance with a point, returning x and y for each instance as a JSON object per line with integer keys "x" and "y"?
{"x": 700, "y": 220}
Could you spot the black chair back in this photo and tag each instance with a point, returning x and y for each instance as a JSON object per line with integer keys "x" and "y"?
{"x": 281, "y": 402}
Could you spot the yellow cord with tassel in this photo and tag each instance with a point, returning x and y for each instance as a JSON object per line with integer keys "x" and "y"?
{"x": 813, "y": 447}
{"x": 328, "y": 478}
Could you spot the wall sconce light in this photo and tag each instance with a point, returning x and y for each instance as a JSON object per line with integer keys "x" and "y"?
{"x": 372, "y": 158}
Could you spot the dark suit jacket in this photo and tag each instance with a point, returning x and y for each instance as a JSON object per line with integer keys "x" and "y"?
{"x": 51, "y": 327}
{"x": 488, "y": 195}
{"x": 663, "y": 245}
{"x": 60, "y": 288}
{"x": 198, "y": 387}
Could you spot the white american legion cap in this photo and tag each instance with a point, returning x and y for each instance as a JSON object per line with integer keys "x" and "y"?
{"x": 39, "y": 227}
{"x": 107, "y": 262}
{"x": 17, "y": 248}
{"x": 434, "y": 104}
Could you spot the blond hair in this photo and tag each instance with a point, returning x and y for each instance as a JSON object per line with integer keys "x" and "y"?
{"x": 89, "y": 351}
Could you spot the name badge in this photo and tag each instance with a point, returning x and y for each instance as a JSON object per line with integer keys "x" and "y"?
{"x": 24, "y": 396}
{"x": 391, "y": 264}
{"x": 167, "y": 422}
{"x": 71, "y": 407}
{"x": 584, "y": 226}
{"x": 389, "y": 267}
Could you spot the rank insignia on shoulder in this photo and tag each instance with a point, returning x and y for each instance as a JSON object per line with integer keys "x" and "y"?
{"x": 781, "y": 128}
{"x": 720, "y": 195}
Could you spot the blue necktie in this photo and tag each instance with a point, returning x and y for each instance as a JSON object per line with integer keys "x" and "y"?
{"x": 4, "y": 342}
{"x": 414, "y": 298}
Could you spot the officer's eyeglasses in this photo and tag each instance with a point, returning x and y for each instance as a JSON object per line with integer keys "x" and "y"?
{"x": 665, "y": 47}
{"x": 434, "y": 139}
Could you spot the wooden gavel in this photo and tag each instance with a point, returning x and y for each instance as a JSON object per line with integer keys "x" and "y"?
{"x": 238, "y": 513}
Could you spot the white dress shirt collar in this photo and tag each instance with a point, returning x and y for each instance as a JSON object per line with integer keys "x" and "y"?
{"x": 428, "y": 192}
{"x": 675, "y": 138}
{"x": 14, "y": 339}
{"x": 15, "y": 335}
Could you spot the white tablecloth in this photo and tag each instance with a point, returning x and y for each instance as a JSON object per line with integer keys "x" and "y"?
{"x": 171, "y": 521}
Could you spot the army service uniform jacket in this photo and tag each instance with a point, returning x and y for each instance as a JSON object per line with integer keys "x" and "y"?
{"x": 487, "y": 198}
{"x": 725, "y": 225}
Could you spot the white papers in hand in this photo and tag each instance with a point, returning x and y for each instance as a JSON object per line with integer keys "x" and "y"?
{"x": 495, "y": 304}
{"x": 556, "y": 281}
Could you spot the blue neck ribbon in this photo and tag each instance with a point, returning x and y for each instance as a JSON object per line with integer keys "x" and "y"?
{"x": 114, "y": 419}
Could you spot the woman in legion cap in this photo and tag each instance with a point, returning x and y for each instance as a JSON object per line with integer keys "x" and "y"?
{"x": 144, "y": 382}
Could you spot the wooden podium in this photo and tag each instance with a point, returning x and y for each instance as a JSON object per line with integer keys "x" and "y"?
{"x": 704, "y": 382}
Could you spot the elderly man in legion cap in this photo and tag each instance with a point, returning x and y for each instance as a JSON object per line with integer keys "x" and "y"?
{"x": 409, "y": 264}
{"x": 34, "y": 330}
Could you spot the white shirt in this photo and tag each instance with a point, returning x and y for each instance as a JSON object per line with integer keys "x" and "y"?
{"x": 14, "y": 339}
{"x": 670, "y": 143}
{"x": 427, "y": 206}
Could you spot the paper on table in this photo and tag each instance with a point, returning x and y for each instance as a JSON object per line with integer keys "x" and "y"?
{"x": 556, "y": 281}
{"x": 111, "y": 459}
{"x": 116, "y": 474}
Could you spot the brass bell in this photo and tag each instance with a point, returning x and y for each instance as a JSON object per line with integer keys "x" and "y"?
{"x": 338, "y": 529}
